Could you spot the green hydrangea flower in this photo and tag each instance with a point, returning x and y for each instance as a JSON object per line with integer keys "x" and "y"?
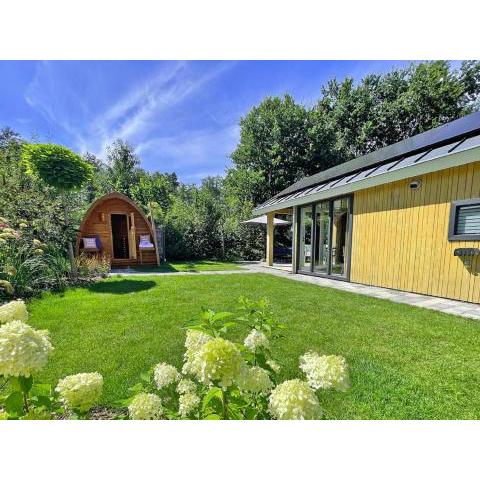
{"x": 219, "y": 361}
{"x": 294, "y": 400}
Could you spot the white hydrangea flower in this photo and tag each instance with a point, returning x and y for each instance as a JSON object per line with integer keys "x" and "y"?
{"x": 23, "y": 350}
{"x": 274, "y": 365}
{"x": 186, "y": 386}
{"x": 80, "y": 391}
{"x": 294, "y": 400}
{"x": 255, "y": 340}
{"x": 15, "y": 310}
{"x": 145, "y": 406}
{"x": 187, "y": 403}
{"x": 194, "y": 341}
{"x": 165, "y": 374}
{"x": 325, "y": 371}
{"x": 256, "y": 380}
{"x": 219, "y": 360}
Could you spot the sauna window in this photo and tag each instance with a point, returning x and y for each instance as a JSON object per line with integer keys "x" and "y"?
{"x": 464, "y": 220}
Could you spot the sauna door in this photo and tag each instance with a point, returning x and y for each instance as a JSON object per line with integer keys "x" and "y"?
{"x": 120, "y": 236}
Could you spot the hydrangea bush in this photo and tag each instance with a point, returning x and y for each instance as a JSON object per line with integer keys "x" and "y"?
{"x": 294, "y": 400}
{"x": 222, "y": 379}
{"x": 325, "y": 371}
{"x": 23, "y": 352}
{"x": 219, "y": 378}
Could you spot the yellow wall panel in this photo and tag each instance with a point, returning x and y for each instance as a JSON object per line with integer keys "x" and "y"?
{"x": 400, "y": 236}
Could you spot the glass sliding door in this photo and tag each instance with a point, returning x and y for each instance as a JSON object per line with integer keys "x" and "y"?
{"x": 340, "y": 232}
{"x": 306, "y": 235}
{"x": 322, "y": 235}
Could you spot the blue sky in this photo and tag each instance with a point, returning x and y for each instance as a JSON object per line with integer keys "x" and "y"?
{"x": 181, "y": 116}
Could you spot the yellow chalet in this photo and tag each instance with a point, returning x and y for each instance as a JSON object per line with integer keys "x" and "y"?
{"x": 406, "y": 216}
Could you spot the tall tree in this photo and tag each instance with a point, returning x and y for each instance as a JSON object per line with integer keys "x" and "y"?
{"x": 282, "y": 141}
{"x": 154, "y": 187}
{"x": 10, "y": 155}
{"x": 383, "y": 109}
{"x": 123, "y": 165}
{"x": 279, "y": 140}
{"x": 100, "y": 182}
{"x": 62, "y": 170}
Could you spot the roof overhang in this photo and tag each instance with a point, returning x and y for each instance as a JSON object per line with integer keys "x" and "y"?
{"x": 262, "y": 220}
{"x": 441, "y": 158}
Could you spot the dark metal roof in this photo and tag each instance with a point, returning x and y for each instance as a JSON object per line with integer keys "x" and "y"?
{"x": 448, "y": 133}
{"x": 353, "y": 181}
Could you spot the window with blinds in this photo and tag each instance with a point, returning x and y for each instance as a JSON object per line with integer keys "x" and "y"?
{"x": 468, "y": 220}
{"x": 465, "y": 220}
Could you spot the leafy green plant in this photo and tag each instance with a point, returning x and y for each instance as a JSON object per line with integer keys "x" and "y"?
{"x": 28, "y": 265}
{"x": 92, "y": 265}
{"x": 61, "y": 169}
{"x": 23, "y": 352}
{"x": 259, "y": 315}
{"x": 57, "y": 165}
{"x": 227, "y": 380}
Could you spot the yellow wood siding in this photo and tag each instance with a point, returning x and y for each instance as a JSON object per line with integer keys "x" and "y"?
{"x": 400, "y": 236}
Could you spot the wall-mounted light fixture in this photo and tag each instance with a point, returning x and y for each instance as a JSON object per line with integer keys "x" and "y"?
{"x": 415, "y": 184}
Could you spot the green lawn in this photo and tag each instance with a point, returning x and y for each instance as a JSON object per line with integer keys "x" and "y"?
{"x": 406, "y": 362}
{"x": 190, "y": 266}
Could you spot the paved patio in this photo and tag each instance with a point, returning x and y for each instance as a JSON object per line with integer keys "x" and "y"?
{"x": 454, "y": 307}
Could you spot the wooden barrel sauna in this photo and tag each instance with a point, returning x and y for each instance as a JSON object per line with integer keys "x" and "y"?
{"x": 116, "y": 227}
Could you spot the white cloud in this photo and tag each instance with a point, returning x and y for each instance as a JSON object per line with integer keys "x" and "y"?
{"x": 131, "y": 117}
{"x": 43, "y": 95}
{"x": 194, "y": 151}
{"x": 149, "y": 114}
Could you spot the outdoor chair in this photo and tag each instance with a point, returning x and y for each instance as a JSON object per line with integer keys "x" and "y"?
{"x": 145, "y": 244}
{"x": 91, "y": 244}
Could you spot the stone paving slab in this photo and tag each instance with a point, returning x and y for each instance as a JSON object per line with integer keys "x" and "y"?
{"x": 128, "y": 272}
{"x": 445, "y": 305}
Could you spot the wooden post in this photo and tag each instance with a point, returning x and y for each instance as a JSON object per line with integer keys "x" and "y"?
{"x": 270, "y": 235}
{"x": 132, "y": 240}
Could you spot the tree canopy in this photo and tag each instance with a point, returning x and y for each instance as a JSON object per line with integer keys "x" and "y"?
{"x": 282, "y": 141}
{"x": 123, "y": 166}
{"x": 57, "y": 166}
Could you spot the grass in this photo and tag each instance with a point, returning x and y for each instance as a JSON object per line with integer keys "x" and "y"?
{"x": 405, "y": 362}
{"x": 189, "y": 266}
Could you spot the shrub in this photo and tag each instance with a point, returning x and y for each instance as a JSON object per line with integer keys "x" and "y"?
{"x": 221, "y": 379}
{"x": 28, "y": 265}
{"x": 227, "y": 380}
{"x": 23, "y": 352}
{"x": 90, "y": 266}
